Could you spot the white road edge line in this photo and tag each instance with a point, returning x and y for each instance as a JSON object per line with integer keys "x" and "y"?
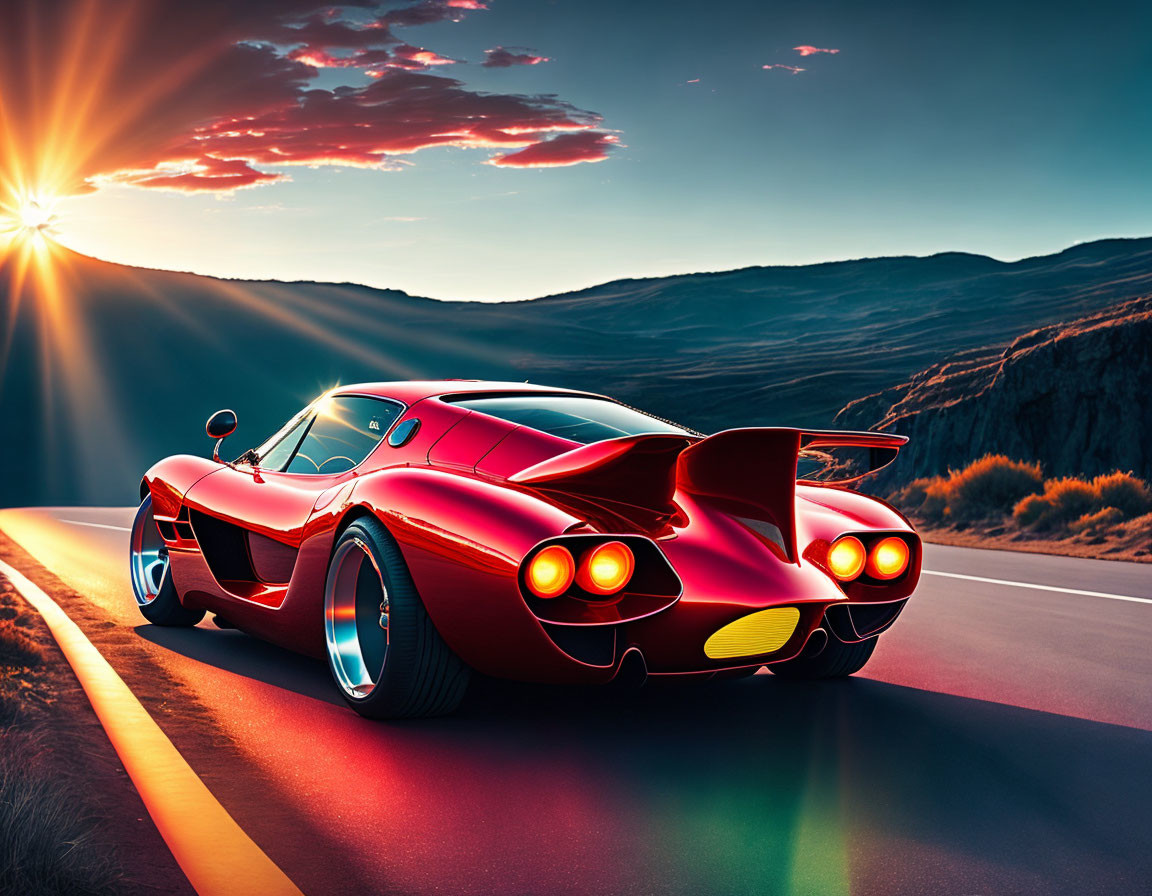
{"x": 98, "y": 525}
{"x": 956, "y": 575}
{"x": 212, "y": 850}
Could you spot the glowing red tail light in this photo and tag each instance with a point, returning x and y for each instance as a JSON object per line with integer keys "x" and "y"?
{"x": 551, "y": 572}
{"x": 606, "y": 568}
{"x": 888, "y": 558}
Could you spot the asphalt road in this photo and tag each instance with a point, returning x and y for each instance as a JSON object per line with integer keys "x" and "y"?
{"x": 999, "y": 742}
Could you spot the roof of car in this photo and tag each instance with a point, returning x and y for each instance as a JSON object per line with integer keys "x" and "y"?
{"x": 412, "y": 391}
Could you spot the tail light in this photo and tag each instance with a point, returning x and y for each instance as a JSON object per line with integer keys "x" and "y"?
{"x": 888, "y": 558}
{"x": 606, "y": 568}
{"x": 846, "y": 558}
{"x": 592, "y": 578}
{"x": 551, "y": 572}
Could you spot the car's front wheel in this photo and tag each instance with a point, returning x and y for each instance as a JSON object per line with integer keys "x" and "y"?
{"x": 837, "y": 660}
{"x": 152, "y": 585}
{"x": 385, "y": 654}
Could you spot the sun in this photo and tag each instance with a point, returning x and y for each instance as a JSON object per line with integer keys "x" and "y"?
{"x": 32, "y": 215}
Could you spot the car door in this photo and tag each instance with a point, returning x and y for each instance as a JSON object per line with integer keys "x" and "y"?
{"x": 316, "y": 450}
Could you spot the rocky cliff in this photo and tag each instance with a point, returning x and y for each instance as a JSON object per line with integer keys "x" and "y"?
{"x": 1074, "y": 396}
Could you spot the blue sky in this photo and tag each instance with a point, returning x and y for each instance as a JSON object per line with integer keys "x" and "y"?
{"x": 1008, "y": 129}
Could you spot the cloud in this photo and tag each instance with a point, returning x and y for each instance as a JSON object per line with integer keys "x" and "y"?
{"x": 415, "y": 58}
{"x": 566, "y": 149}
{"x": 205, "y": 174}
{"x": 429, "y": 11}
{"x": 805, "y": 50}
{"x": 218, "y": 95}
{"x": 399, "y": 113}
{"x": 505, "y": 57}
{"x": 794, "y": 69}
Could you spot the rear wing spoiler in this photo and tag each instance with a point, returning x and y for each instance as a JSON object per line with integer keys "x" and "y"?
{"x": 753, "y": 471}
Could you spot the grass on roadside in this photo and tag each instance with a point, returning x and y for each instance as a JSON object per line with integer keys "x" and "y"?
{"x": 48, "y": 836}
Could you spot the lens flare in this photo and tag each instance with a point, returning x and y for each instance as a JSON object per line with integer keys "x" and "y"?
{"x": 551, "y": 572}
{"x": 34, "y": 216}
{"x": 846, "y": 558}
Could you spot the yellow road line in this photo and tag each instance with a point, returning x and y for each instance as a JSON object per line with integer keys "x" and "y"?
{"x": 210, "y": 847}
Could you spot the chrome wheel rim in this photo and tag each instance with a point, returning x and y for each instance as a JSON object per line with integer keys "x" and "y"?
{"x": 356, "y": 619}
{"x": 148, "y": 555}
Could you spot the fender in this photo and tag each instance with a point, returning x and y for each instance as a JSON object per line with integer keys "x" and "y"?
{"x": 170, "y": 479}
{"x": 463, "y": 540}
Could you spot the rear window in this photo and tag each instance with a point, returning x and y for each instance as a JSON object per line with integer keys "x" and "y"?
{"x": 574, "y": 417}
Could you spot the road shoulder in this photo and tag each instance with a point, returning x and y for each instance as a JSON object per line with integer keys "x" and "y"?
{"x": 60, "y": 754}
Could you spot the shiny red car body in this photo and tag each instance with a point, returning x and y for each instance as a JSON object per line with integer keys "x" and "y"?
{"x": 720, "y": 524}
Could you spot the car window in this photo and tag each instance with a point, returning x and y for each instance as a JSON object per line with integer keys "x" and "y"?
{"x": 342, "y": 431}
{"x": 574, "y": 417}
{"x": 278, "y": 450}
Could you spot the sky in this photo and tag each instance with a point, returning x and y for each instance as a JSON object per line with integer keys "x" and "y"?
{"x": 506, "y": 149}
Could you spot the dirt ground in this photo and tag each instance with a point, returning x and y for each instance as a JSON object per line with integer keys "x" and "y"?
{"x": 1130, "y": 541}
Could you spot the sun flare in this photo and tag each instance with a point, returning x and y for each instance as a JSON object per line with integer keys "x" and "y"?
{"x": 30, "y": 218}
{"x": 34, "y": 216}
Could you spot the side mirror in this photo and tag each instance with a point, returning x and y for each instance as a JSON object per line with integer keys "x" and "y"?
{"x": 219, "y": 426}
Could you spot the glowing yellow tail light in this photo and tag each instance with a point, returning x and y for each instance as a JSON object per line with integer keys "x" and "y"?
{"x": 889, "y": 558}
{"x": 751, "y": 635}
{"x": 846, "y": 557}
{"x": 606, "y": 569}
{"x": 551, "y": 571}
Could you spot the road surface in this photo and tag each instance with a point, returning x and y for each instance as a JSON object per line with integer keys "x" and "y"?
{"x": 999, "y": 742}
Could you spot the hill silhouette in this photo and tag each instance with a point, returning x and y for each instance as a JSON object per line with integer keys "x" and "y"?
{"x": 125, "y": 367}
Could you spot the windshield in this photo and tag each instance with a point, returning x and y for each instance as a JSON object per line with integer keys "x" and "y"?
{"x": 574, "y": 417}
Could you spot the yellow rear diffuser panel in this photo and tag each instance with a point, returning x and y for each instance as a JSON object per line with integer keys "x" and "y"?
{"x": 757, "y": 633}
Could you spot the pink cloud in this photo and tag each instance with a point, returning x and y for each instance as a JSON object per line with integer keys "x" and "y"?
{"x": 806, "y": 50}
{"x": 409, "y": 57}
{"x": 400, "y": 113}
{"x": 505, "y": 57}
{"x": 566, "y": 149}
{"x": 794, "y": 69}
{"x": 201, "y": 175}
{"x": 224, "y": 95}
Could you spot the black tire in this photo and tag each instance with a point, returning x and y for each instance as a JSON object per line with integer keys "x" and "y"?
{"x": 160, "y": 606}
{"x": 420, "y": 675}
{"x": 836, "y": 660}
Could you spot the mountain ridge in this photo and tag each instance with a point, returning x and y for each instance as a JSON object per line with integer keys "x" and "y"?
{"x": 141, "y": 357}
{"x": 662, "y": 278}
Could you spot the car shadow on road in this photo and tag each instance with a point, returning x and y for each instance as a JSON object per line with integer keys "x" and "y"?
{"x": 726, "y": 786}
{"x": 239, "y": 653}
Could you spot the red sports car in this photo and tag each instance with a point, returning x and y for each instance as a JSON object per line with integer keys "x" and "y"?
{"x": 412, "y": 532}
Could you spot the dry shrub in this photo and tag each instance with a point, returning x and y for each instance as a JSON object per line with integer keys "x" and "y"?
{"x": 990, "y": 486}
{"x": 995, "y": 485}
{"x": 912, "y": 495}
{"x": 935, "y": 505}
{"x": 986, "y": 488}
{"x": 18, "y": 647}
{"x": 1092, "y": 523}
{"x": 1129, "y": 495}
{"x": 1063, "y": 502}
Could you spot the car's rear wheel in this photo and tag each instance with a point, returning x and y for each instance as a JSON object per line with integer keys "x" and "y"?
{"x": 385, "y": 654}
{"x": 836, "y": 660}
{"x": 152, "y": 585}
